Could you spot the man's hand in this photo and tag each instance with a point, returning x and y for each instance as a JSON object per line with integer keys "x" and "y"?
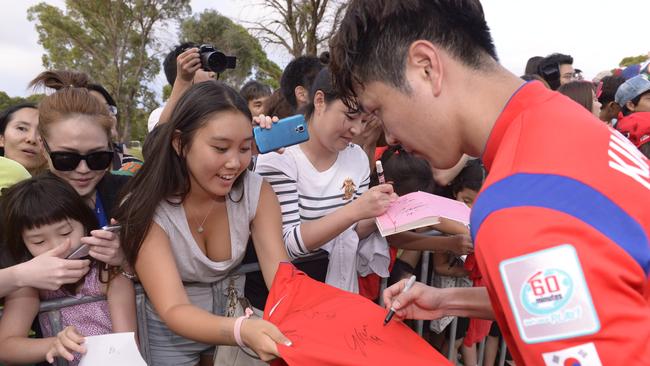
{"x": 419, "y": 302}
{"x": 187, "y": 64}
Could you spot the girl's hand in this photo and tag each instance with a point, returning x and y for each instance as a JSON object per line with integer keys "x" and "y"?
{"x": 374, "y": 202}
{"x": 461, "y": 244}
{"x": 265, "y": 122}
{"x": 49, "y": 271}
{"x": 105, "y": 246}
{"x": 262, "y": 337}
{"x": 66, "y": 342}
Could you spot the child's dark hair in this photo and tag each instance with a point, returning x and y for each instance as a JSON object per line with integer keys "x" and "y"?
{"x": 276, "y": 105}
{"x": 42, "y": 200}
{"x": 609, "y": 88}
{"x": 254, "y": 90}
{"x": 406, "y": 172}
{"x": 580, "y": 92}
{"x": 471, "y": 177}
{"x": 301, "y": 71}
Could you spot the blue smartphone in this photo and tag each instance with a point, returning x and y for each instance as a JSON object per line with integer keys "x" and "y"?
{"x": 286, "y": 132}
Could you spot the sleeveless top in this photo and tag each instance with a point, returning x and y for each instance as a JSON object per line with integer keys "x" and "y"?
{"x": 193, "y": 265}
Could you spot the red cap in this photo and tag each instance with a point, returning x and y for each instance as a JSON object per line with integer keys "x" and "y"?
{"x": 636, "y": 127}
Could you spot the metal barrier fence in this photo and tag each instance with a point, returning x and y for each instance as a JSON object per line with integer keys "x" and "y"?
{"x": 51, "y": 309}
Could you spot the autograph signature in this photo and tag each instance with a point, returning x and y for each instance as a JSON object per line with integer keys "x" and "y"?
{"x": 360, "y": 339}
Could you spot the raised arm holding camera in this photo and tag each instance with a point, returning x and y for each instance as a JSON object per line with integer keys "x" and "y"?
{"x": 194, "y": 65}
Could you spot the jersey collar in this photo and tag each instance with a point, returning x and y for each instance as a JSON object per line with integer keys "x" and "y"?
{"x": 528, "y": 94}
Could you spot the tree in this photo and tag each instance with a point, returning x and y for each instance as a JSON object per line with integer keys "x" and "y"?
{"x": 232, "y": 39}
{"x": 6, "y": 101}
{"x": 633, "y": 60}
{"x": 297, "y": 25}
{"x": 112, "y": 41}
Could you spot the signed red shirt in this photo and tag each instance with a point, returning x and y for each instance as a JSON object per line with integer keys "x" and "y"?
{"x": 561, "y": 230}
{"x": 328, "y": 326}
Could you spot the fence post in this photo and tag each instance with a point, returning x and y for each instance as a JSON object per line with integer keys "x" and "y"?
{"x": 502, "y": 352}
{"x": 424, "y": 278}
{"x": 481, "y": 352}
{"x": 54, "y": 318}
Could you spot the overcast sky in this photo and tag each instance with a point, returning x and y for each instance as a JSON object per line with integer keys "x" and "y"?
{"x": 597, "y": 33}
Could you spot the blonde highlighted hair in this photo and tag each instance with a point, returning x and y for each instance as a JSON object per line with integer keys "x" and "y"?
{"x": 70, "y": 99}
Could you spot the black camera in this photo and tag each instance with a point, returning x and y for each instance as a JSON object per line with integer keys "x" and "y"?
{"x": 215, "y": 60}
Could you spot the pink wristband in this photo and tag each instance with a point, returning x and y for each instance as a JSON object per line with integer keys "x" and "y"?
{"x": 248, "y": 312}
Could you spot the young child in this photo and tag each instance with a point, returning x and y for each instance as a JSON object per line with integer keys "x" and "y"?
{"x": 452, "y": 271}
{"x": 38, "y": 215}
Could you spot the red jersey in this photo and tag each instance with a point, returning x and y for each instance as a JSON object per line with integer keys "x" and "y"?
{"x": 561, "y": 230}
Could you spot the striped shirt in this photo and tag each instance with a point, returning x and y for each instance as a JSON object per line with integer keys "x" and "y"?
{"x": 306, "y": 194}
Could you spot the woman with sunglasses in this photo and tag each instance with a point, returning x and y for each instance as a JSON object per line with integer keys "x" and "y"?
{"x": 75, "y": 130}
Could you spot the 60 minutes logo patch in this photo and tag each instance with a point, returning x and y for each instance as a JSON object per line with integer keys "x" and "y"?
{"x": 548, "y": 295}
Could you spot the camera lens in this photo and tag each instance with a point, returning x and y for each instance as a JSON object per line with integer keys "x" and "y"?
{"x": 300, "y": 128}
{"x": 215, "y": 61}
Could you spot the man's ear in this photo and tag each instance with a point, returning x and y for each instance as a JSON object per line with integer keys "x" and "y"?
{"x": 2, "y": 140}
{"x": 424, "y": 62}
{"x": 301, "y": 95}
{"x": 176, "y": 142}
{"x": 630, "y": 106}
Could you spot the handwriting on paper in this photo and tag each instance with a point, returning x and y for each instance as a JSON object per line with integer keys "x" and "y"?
{"x": 112, "y": 349}
{"x": 361, "y": 338}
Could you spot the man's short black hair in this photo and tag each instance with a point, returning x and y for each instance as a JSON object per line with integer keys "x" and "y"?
{"x": 254, "y": 90}
{"x": 301, "y": 71}
{"x": 557, "y": 58}
{"x": 609, "y": 88}
{"x": 169, "y": 64}
{"x": 374, "y": 37}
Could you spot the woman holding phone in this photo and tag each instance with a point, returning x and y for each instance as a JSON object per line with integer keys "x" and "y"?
{"x": 75, "y": 130}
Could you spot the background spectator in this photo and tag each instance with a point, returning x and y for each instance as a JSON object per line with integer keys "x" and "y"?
{"x": 19, "y": 137}
{"x": 255, "y": 94}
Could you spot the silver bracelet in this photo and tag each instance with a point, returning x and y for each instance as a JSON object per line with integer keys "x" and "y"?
{"x": 130, "y": 276}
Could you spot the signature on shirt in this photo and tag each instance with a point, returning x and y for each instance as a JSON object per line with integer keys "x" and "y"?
{"x": 360, "y": 339}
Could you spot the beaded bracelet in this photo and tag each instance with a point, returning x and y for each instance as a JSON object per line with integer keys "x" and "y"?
{"x": 248, "y": 312}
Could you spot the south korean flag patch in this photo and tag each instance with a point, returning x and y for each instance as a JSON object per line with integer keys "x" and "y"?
{"x": 582, "y": 355}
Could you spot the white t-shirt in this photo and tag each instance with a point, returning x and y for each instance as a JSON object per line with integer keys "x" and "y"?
{"x": 307, "y": 194}
{"x": 154, "y": 117}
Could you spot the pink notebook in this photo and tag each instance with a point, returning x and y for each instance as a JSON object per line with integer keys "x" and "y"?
{"x": 419, "y": 209}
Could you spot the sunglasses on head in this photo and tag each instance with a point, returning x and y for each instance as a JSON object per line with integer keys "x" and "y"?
{"x": 67, "y": 161}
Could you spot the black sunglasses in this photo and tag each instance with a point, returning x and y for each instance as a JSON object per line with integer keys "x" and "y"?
{"x": 67, "y": 161}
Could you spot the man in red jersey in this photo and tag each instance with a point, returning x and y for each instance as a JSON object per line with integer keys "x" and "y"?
{"x": 561, "y": 225}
